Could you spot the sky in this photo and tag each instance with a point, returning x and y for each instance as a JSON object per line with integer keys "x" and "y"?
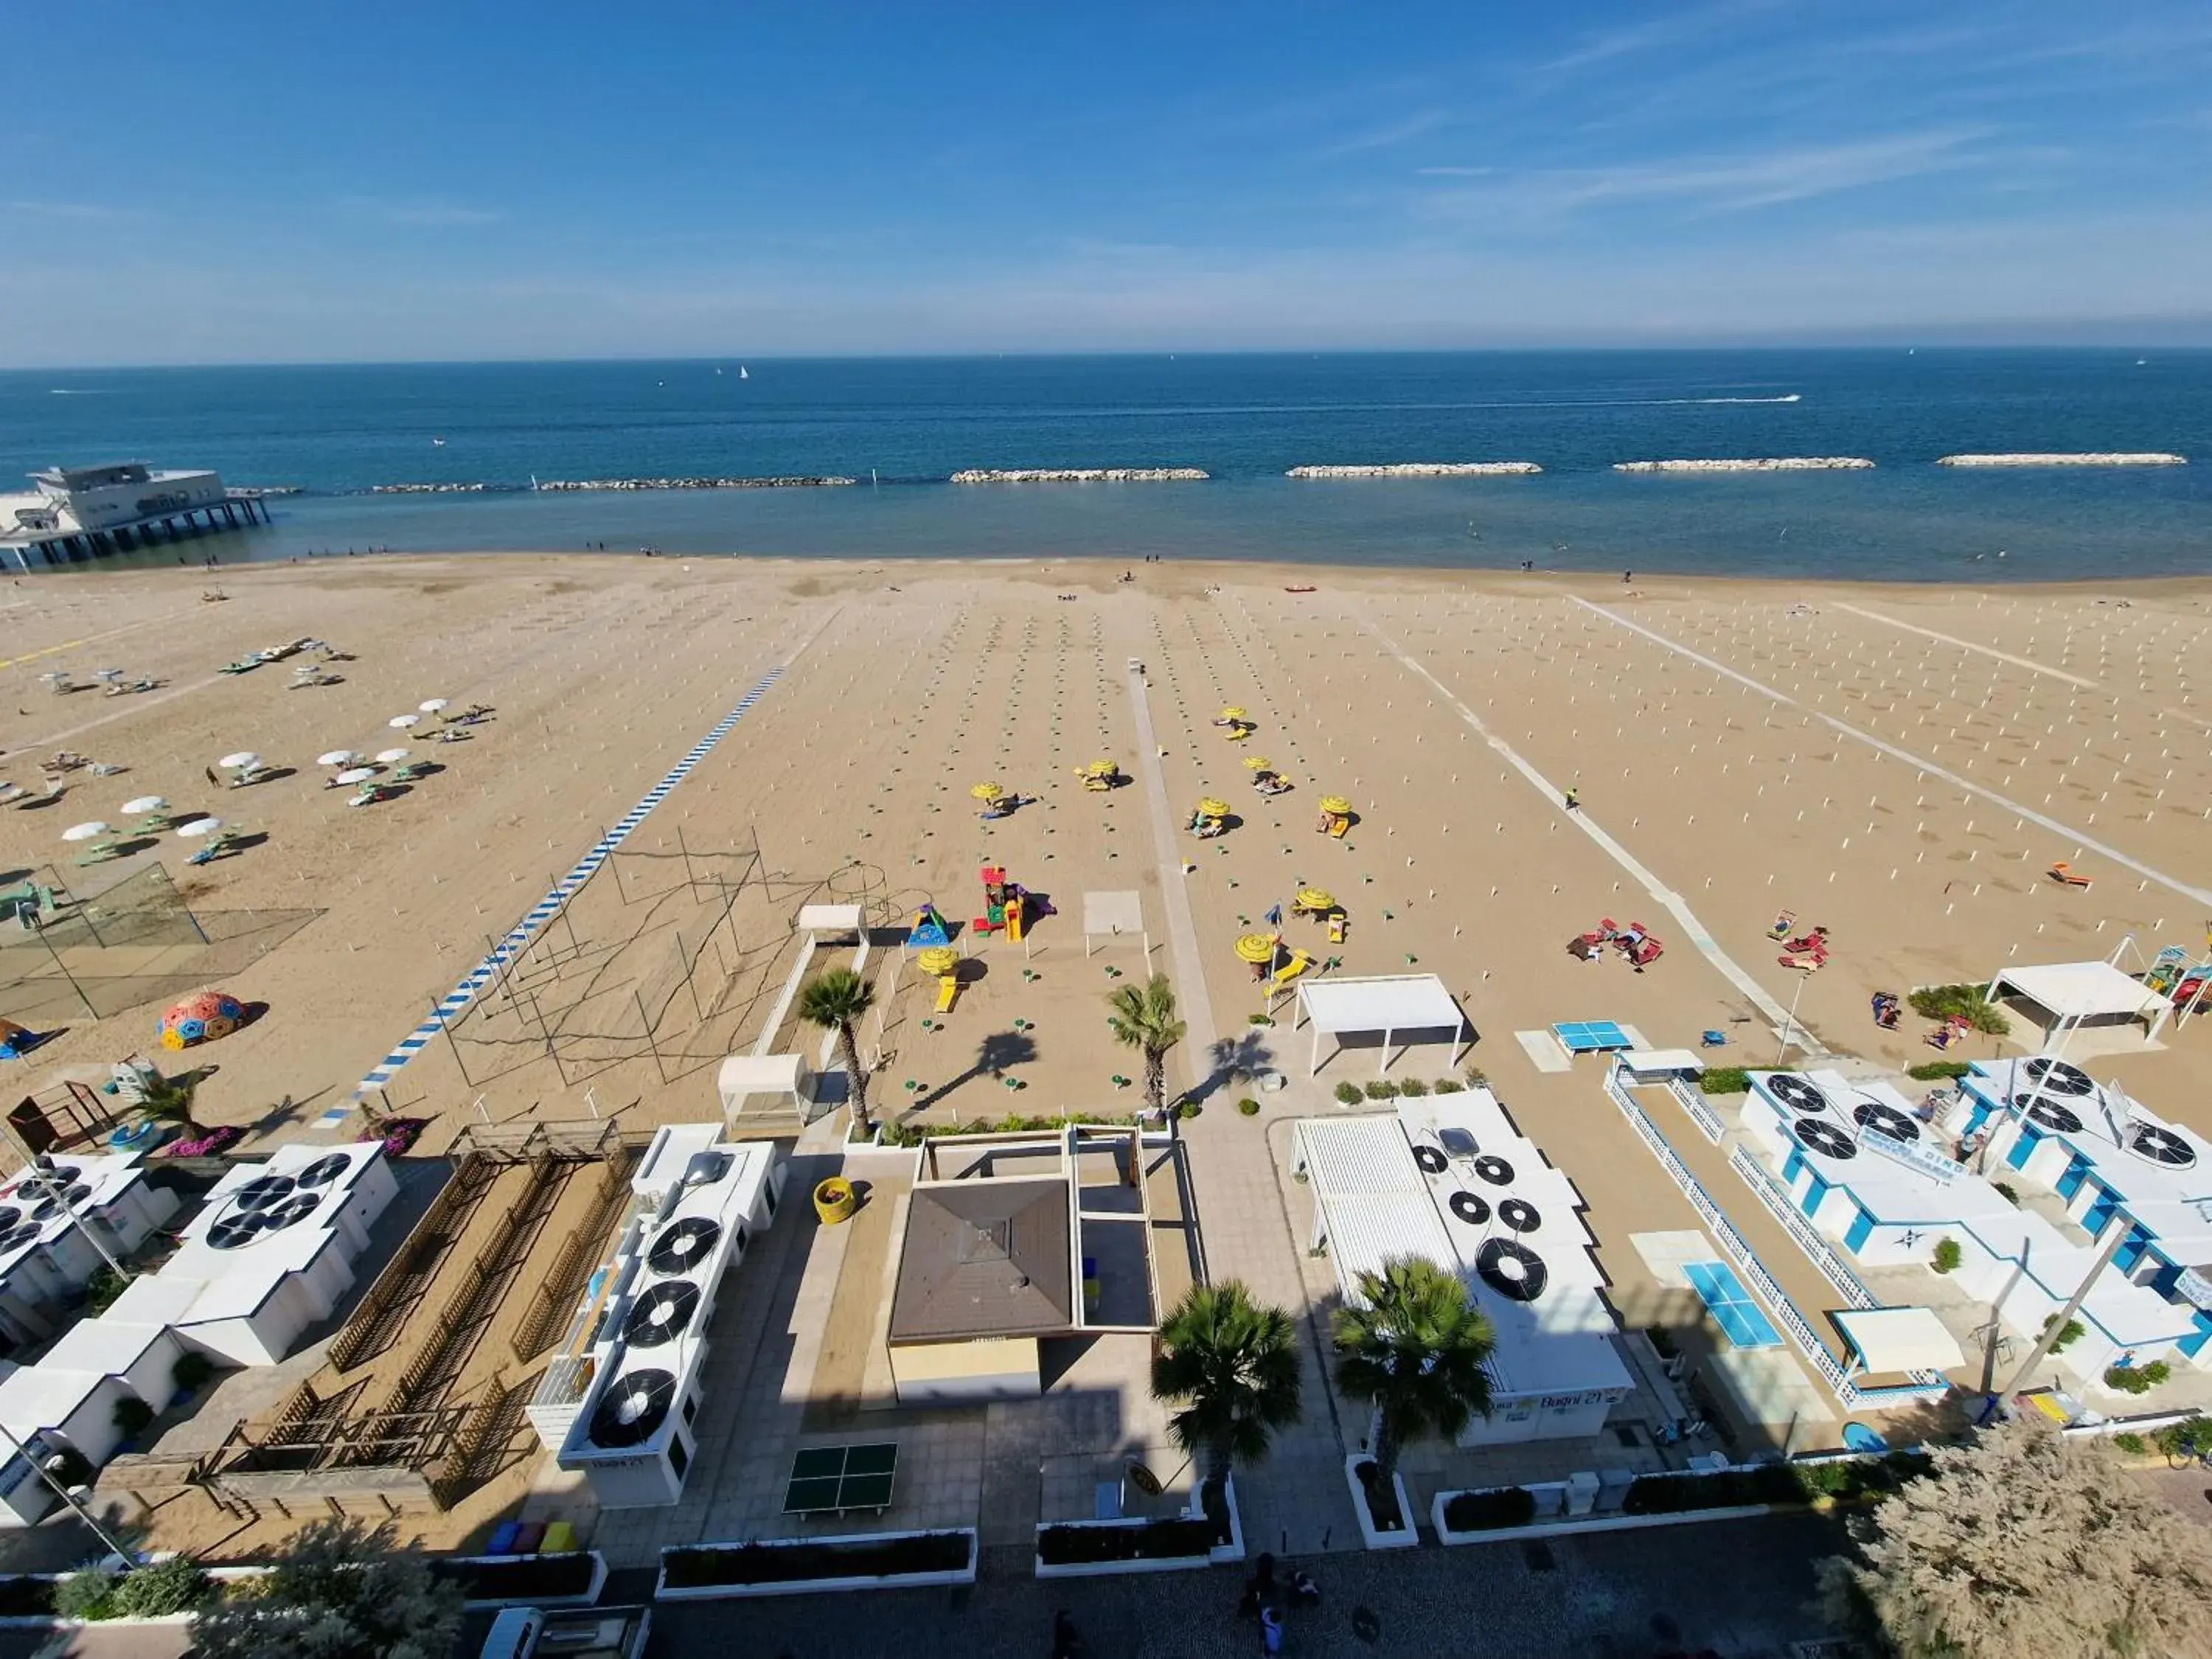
{"x": 289, "y": 182}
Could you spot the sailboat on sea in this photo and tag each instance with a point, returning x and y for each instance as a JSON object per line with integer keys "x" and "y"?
{"x": 741, "y": 373}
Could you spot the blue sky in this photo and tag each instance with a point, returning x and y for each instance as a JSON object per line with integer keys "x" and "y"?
{"x": 288, "y": 182}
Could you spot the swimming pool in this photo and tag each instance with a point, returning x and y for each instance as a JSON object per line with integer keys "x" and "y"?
{"x": 1731, "y": 1305}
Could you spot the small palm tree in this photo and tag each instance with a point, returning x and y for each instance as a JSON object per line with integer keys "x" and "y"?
{"x": 169, "y": 1099}
{"x": 1143, "y": 1018}
{"x": 1233, "y": 1363}
{"x": 837, "y": 999}
{"x": 1413, "y": 1346}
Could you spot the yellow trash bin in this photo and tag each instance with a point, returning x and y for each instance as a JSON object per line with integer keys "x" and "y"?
{"x": 833, "y": 1201}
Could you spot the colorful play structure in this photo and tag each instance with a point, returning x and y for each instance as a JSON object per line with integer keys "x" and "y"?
{"x": 2186, "y": 984}
{"x": 1208, "y": 820}
{"x": 1265, "y": 778}
{"x": 1235, "y": 724}
{"x": 1336, "y": 816}
{"x": 1007, "y": 906}
{"x": 200, "y": 1018}
{"x": 942, "y": 961}
{"x": 928, "y": 928}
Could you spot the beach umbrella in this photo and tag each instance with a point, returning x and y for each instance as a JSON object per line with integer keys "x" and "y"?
{"x": 986, "y": 792}
{"x": 1232, "y": 713}
{"x": 1258, "y": 763}
{"x": 199, "y": 827}
{"x": 144, "y": 805}
{"x": 1317, "y": 898}
{"x": 938, "y": 959}
{"x": 1213, "y": 808}
{"x": 390, "y": 757}
{"x": 402, "y": 722}
{"x": 1257, "y": 948}
{"x": 358, "y": 774}
{"x": 242, "y": 761}
{"x": 433, "y": 706}
{"x": 1335, "y": 805}
{"x": 1103, "y": 768}
{"x": 337, "y": 757}
{"x": 91, "y": 831}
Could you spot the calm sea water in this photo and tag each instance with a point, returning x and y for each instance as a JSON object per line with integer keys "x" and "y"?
{"x": 902, "y": 425}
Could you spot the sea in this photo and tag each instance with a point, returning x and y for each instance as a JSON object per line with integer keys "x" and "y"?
{"x": 334, "y": 435}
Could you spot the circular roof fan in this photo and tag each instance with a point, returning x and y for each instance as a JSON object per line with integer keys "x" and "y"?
{"x": 1495, "y": 1170}
{"x": 2050, "y": 1114}
{"x": 1886, "y": 1120}
{"x": 1796, "y": 1092}
{"x": 1470, "y": 1207}
{"x": 1431, "y": 1161}
{"x": 10, "y": 1219}
{"x": 1457, "y": 1142}
{"x": 1520, "y": 1214}
{"x": 50, "y": 1206}
{"x": 2147, "y": 1141}
{"x": 324, "y": 1170}
{"x": 633, "y": 1408}
{"x": 28, "y": 1233}
{"x": 68, "y": 1172}
{"x": 262, "y": 1192}
{"x": 290, "y": 1211}
{"x": 238, "y": 1229}
{"x": 1825, "y": 1138}
{"x": 2059, "y": 1078}
{"x": 661, "y": 1315}
{"x": 683, "y": 1245}
{"x": 1512, "y": 1270}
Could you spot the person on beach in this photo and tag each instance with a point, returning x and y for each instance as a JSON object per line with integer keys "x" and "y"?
{"x": 1271, "y": 1630}
{"x": 1574, "y": 799}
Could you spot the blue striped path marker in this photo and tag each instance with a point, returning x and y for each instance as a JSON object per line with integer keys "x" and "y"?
{"x": 451, "y": 1006}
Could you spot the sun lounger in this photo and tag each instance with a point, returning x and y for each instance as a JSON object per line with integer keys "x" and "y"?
{"x": 1296, "y": 966}
{"x": 101, "y": 852}
{"x": 2063, "y": 873}
{"x": 948, "y": 992}
{"x": 1337, "y": 924}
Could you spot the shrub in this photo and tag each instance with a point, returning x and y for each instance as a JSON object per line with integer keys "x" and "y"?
{"x": 1413, "y": 1088}
{"x": 1477, "y": 1078}
{"x": 1188, "y": 1111}
{"x": 1155, "y": 1540}
{"x": 1382, "y": 1497}
{"x": 1349, "y": 1094}
{"x": 2004, "y": 1190}
{"x": 1501, "y": 1506}
{"x": 912, "y": 1134}
{"x": 1382, "y": 1089}
{"x": 2133, "y": 1444}
{"x": 132, "y": 1414}
{"x": 2182, "y": 1439}
{"x": 89, "y": 1593}
{"x": 1968, "y": 1002}
{"x": 101, "y": 1289}
{"x": 2138, "y": 1379}
{"x": 175, "y": 1585}
{"x": 1673, "y": 1494}
{"x": 785, "y": 1564}
{"x": 1948, "y": 1256}
{"x": 2071, "y": 1333}
{"x": 192, "y": 1369}
{"x": 1937, "y": 1070}
{"x": 1249, "y": 1107}
{"x": 1724, "y": 1080}
{"x": 1447, "y": 1086}
{"x": 1260, "y": 1020}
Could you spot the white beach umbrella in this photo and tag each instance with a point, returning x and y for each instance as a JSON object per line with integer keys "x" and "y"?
{"x": 391, "y": 756}
{"x": 91, "y": 831}
{"x": 199, "y": 827}
{"x": 401, "y": 722}
{"x": 243, "y": 759}
{"x": 358, "y": 774}
{"x": 143, "y": 805}
{"x": 337, "y": 757}
{"x": 433, "y": 706}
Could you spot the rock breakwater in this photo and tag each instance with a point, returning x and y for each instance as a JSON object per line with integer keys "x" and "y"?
{"x": 2146, "y": 458}
{"x": 1080, "y": 475}
{"x": 1766, "y": 464}
{"x": 1421, "y": 469}
{"x": 796, "y": 481}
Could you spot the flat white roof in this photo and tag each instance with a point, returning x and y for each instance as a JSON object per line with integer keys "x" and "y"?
{"x": 1899, "y": 1339}
{"x": 44, "y": 1396}
{"x": 758, "y": 1074}
{"x": 106, "y": 1344}
{"x": 1650, "y": 1062}
{"x": 2079, "y": 990}
{"x": 1391, "y": 1002}
{"x": 1374, "y": 1205}
{"x": 829, "y": 918}
{"x": 1113, "y": 912}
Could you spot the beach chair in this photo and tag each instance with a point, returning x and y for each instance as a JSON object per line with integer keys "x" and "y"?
{"x": 1337, "y": 922}
{"x": 1783, "y": 924}
{"x": 1338, "y": 824}
{"x": 2063, "y": 873}
{"x": 1299, "y": 963}
{"x": 412, "y": 771}
{"x": 101, "y": 852}
{"x": 1712, "y": 1039}
{"x": 948, "y": 992}
{"x": 12, "y": 793}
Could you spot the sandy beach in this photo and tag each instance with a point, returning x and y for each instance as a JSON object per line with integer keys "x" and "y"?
{"x": 1900, "y": 765}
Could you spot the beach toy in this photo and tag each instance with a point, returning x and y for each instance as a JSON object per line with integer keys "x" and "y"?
{"x": 200, "y": 1018}
{"x": 91, "y": 831}
{"x": 1213, "y": 808}
{"x": 1258, "y": 948}
{"x": 337, "y": 757}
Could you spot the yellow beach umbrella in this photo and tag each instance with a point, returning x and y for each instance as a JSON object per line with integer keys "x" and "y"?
{"x": 1257, "y": 948}
{"x": 986, "y": 792}
{"x": 1316, "y": 898}
{"x": 1335, "y": 805}
{"x": 1104, "y": 769}
{"x": 1258, "y": 763}
{"x": 1213, "y": 808}
{"x": 938, "y": 959}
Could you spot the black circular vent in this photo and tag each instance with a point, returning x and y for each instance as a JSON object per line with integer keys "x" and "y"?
{"x": 28, "y": 1233}
{"x": 1796, "y": 1092}
{"x": 2161, "y": 1145}
{"x": 10, "y": 1219}
{"x": 1495, "y": 1170}
{"x": 2059, "y": 1078}
{"x": 1886, "y": 1120}
{"x": 52, "y": 1205}
{"x": 1469, "y": 1207}
{"x": 1511, "y": 1269}
{"x": 1825, "y": 1138}
{"x": 325, "y": 1170}
{"x": 237, "y": 1230}
{"x": 1431, "y": 1161}
{"x": 632, "y": 1410}
{"x": 661, "y": 1315}
{"x": 683, "y": 1244}
{"x": 262, "y": 1191}
{"x": 2061, "y": 1120}
{"x": 1520, "y": 1214}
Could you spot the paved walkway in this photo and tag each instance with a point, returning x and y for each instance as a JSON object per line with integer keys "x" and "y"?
{"x": 1183, "y": 930}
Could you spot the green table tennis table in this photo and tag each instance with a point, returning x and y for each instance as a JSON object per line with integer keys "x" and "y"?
{"x": 831, "y": 1480}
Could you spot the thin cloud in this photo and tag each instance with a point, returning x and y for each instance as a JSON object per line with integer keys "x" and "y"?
{"x": 416, "y": 214}
{"x": 1390, "y": 133}
{"x": 1655, "y": 35}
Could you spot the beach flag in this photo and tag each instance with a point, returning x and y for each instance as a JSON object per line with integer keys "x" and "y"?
{"x": 1275, "y": 917}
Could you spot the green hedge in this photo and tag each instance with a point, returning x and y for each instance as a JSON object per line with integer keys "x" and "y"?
{"x": 1480, "y": 1512}
{"x": 1937, "y": 1070}
{"x": 1772, "y": 1483}
{"x": 1724, "y": 1080}
{"x": 912, "y": 1134}
{"x": 1970, "y": 1002}
{"x": 1154, "y": 1540}
{"x": 786, "y": 1564}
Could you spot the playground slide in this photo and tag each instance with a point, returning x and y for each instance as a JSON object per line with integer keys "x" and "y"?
{"x": 948, "y": 992}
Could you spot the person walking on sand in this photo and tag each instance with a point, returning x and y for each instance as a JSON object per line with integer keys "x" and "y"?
{"x": 1271, "y": 1630}
{"x": 1626, "y": 577}
{"x": 1573, "y": 798}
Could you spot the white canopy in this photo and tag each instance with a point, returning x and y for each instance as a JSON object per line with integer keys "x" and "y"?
{"x": 1899, "y": 1340}
{"x": 1114, "y": 915}
{"x": 1663, "y": 1062}
{"x": 829, "y": 918}
{"x": 785, "y": 1076}
{"x": 1388, "y": 1004}
{"x": 2079, "y": 990}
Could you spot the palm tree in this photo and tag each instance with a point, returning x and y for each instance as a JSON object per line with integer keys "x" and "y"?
{"x": 1233, "y": 1363}
{"x": 1413, "y": 1346}
{"x": 169, "y": 1099}
{"x": 1143, "y": 1018}
{"x": 836, "y": 1000}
